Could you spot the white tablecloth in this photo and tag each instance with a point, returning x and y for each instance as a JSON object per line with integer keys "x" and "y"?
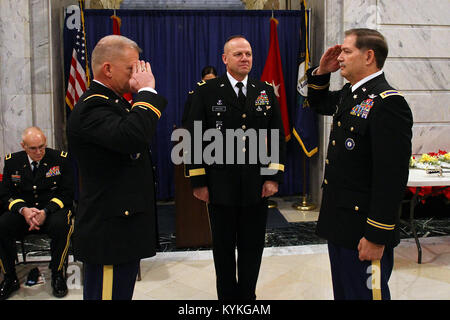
{"x": 420, "y": 178}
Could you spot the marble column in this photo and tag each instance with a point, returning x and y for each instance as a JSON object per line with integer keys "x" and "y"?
{"x": 31, "y": 76}
{"x": 15, "y": 73}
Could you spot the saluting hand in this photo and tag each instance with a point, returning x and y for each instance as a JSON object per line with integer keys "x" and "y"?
{"x": 329, "y": 62}
{"x": 141, "y": 76}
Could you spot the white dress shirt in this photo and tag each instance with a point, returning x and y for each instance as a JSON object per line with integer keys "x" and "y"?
{"x": 366, "y": 79}
{"x": 233, "y": 82}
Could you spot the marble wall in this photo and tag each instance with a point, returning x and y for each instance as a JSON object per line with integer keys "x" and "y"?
{"x": 418, "y": 36}
{"x": 15, "y": 72}
{"x": 32, "y": 89}
{"x": 31, "y": 86}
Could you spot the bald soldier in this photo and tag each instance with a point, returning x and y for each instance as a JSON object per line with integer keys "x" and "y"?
{"x": 236, "y": 191}
{"x": 37, "y": 192}
{"x": 115, "y": 221}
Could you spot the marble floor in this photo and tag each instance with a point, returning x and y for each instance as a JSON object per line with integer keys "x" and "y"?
{"x": 300, "y": 272}
{"x": 287, "y": 273}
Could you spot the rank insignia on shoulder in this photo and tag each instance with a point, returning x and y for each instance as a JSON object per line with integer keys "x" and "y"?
{"x": 389, "y": 93}
{"x": 201, "y": 83}
{"x": 64, "y": 154}
{"x": 8, "y": 156}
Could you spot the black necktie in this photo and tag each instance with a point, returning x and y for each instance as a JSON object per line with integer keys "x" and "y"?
{"x": 241, "y": 96}
{"x": 34, "y": 166}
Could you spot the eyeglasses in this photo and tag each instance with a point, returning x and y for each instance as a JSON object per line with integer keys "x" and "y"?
{"x": 34, "y": 149}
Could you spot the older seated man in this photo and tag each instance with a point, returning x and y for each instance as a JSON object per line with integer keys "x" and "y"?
{"x": 37, "y": 189}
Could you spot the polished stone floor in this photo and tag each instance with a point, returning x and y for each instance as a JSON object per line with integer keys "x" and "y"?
{"x": 287, "y": 273}
{"x": 295, "y": 266}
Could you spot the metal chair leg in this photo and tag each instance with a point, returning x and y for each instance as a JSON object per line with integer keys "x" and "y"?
{"x": 413, "y": 225}
{"x": 139, "y": 273}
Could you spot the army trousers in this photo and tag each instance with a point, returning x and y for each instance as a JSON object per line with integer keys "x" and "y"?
{"x": 58, "y": 226}
{"x": 242, "y": 228}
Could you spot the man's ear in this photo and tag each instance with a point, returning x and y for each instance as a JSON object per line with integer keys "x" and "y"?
{"x": 106, "y": 68}
{"x": 370, "y": 57}
{"x": 224, "y": 58}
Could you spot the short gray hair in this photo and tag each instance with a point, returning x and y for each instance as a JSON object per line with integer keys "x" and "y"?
{"x": 109, "y": 47}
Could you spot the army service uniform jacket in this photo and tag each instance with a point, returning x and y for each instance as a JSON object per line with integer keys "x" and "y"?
{"x": 366, "y": 169}
{"x": 110, "y": 139}
{"x": 215, "y": 104}
{"x": 51, "y": 189}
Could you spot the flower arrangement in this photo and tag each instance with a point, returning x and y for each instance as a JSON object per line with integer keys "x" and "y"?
{"x": 431, "y": 160}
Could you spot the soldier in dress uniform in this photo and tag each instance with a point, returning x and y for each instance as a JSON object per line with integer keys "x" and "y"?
{"x": 366, "y": 169}
{"x": 37, "y": 189}
{"x": 236, "y": 192}
{"x": 110, "y": 139}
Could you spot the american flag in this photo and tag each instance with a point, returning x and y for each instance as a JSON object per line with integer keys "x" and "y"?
{"x": 78, "y": 82}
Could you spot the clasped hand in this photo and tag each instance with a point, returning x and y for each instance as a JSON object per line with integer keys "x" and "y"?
{"x": 34, "y": 217}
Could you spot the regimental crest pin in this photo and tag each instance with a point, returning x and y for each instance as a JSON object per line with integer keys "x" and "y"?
{"x": 349, "y": 144}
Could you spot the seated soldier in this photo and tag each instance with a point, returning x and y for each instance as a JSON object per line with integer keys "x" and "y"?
{"x": 37, "y": 191}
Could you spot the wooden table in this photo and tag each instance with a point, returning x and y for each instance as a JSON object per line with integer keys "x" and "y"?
{"x": 419, "y": 178}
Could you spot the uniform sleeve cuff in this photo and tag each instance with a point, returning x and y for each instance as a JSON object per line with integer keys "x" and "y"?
{"x": 377, "y": 232}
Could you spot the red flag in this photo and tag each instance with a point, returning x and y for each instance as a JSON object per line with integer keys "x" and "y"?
{"x": 116, "y": 30}
{"x": 273, "y": 73}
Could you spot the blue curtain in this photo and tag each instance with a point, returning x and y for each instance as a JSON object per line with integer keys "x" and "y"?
{"x": 179, "y": 44}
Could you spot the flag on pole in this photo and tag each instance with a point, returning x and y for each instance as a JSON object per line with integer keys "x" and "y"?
{"x": 75, "y": 41}
{"x": 305, "y": 123}
{"x": 117, "y": 23}
{"x": 273, "y": 73}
